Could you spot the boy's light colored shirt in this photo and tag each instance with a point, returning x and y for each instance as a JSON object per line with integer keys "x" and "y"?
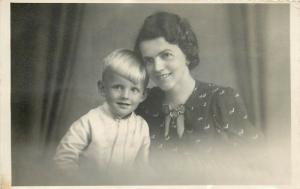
{"x": 99, "y": 143}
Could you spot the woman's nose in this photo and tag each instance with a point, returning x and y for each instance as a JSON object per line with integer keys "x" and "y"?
{"x": 158, "y": 64}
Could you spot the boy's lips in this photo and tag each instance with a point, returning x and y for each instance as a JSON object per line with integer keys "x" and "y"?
{"x": 123, "y": 104}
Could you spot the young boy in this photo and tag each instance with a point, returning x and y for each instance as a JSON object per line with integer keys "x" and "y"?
{"x": 111, "y": 139}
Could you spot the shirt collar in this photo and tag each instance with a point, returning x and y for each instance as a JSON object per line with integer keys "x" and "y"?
{"x": 106, "y": 110}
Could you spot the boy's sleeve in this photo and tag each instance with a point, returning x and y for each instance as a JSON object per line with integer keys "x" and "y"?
{"x": 72, "y": 144}
{"x": 143, "y": 155}
{"x": 145, "y": 173}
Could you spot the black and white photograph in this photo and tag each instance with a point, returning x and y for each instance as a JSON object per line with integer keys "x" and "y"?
{"x": 150, "y": 94}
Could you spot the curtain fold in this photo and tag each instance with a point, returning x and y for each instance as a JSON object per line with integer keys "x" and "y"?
{"x": 249, "y": 64}
{"x": 55, "y": 51}
{"x": 65, "y": 29}
{"x": 44, "y": 42}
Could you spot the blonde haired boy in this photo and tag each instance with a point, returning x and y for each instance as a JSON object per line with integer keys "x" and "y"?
{"x": 109, "y": 141}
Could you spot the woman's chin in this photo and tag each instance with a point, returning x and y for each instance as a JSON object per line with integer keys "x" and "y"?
{"x": 165, "y": 86}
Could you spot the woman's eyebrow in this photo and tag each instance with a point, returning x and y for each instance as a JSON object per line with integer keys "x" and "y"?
{"x": 163, "y": 51}
{"x": 158, "y": 54}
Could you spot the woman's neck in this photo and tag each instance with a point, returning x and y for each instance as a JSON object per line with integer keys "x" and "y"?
{"x": 180, "y": 93}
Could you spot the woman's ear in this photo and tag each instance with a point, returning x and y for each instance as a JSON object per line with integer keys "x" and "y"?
{"x": 101, "y": 88}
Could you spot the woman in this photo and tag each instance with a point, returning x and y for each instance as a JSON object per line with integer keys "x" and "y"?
{"x": 190, "y": 121}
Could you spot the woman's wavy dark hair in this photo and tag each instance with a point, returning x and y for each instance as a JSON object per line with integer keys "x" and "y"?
{"x": 175, "y": 30}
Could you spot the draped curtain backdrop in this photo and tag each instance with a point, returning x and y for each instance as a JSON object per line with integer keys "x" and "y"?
{"x": 248, "y": 62}
{"x": 261, "y": 61}
{"x": 44, "y": 43}
{"x": 56, "y": 50}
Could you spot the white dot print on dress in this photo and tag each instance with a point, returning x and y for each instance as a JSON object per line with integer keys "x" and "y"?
{"x": 167, "y": 138}
{"x": 215, "y": 90}
{"x": 241, "y": 132}
{"x": 202, "y": 95}
{"x": 206, "y": 127}
{"x": 255, "y": 137}
{"x": 231, "y": 111}
{"x": 222, "y": 92}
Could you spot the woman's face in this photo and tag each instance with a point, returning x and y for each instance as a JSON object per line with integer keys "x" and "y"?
{"x": 165, "y": 62}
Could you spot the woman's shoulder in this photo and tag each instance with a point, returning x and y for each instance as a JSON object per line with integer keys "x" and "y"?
{"x": 217, "y": 96}
{"x": 211, "y": 87}
{"x": 214, "y": 90}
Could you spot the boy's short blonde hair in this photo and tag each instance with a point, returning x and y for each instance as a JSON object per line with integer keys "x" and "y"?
{"x": 126, "y": 63}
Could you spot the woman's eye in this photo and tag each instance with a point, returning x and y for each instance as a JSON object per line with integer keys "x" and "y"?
{"x": 166, "y": 55}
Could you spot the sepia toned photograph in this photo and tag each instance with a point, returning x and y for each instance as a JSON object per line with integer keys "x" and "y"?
{"x": 133, "y": 94}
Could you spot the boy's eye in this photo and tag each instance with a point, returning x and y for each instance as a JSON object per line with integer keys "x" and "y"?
{"x": 118, "y": 87}
{"x": 135, "y": 90}
{"x": 167, "y": 55}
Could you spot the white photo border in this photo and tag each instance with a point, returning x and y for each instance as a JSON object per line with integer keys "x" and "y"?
{"x": 5, "y": 91}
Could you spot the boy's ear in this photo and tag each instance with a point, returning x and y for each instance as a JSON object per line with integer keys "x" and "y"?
{"x": 145, "y": 94}
{"x": 101, "y": 87}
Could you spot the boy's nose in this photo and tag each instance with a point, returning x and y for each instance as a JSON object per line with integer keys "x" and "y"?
{"x": 125, "y": 93}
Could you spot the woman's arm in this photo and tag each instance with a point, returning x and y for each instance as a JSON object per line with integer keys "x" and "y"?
{"x": 230, "y": 117}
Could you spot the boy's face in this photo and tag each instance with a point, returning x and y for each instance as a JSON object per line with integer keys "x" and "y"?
{"x": 122, "y": 95}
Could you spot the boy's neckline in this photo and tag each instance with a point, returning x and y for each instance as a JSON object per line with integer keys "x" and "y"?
{"x": 122, "y": 118}
{"x": 105, "y": 108}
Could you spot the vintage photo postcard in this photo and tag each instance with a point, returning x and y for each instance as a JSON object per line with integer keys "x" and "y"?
{"x": 150, "y": 94}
